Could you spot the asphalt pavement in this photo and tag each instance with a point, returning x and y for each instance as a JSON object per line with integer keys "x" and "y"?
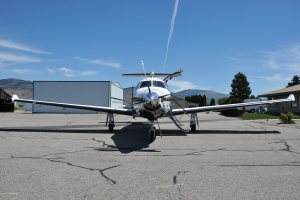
{"x": 56, "y": 156}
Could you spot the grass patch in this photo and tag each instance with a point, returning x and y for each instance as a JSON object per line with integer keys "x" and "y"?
{"x": 19, "y": 107}
{"x": 253, "y": 116}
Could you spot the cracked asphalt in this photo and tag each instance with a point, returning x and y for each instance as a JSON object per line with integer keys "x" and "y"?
{"x": 51, "y": 156}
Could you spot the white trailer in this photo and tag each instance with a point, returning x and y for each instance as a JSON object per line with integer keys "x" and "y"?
{"x": 97, "y": 93}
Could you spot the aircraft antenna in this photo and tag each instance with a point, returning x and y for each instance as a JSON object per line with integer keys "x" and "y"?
{"x": 142, "y": 63}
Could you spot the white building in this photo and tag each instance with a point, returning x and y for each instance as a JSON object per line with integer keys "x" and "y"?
{"x": 96, "y": 93}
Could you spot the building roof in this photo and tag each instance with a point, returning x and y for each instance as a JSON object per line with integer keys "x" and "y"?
{"x": 4, "y": 94}
{"x": 289, "y": 90}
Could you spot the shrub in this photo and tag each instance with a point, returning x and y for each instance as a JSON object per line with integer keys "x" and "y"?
{"x": 287, "y": 118}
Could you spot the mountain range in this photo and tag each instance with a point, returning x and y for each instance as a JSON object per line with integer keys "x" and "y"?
{"x": 16, "y": 86}
{"x": 208, "y": 93}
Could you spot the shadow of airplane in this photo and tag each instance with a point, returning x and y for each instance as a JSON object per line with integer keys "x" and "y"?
{"x": 133, "y": 137}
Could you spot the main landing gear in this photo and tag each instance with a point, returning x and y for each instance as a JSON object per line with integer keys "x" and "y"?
{"x": 110, "y": 121}
{"x": 193, "y": 122}
{"x": 152, "y": 133}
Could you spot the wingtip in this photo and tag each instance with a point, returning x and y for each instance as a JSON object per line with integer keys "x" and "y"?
{"x": 14, "y": 97}
{"x": 291, "y": 97}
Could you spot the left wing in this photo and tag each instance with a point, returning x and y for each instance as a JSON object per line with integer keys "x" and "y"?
{"x": 121, "y": 111}
{"x": 229, "y": 106}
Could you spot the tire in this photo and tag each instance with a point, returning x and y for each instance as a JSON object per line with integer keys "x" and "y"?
{"x": 111, "y": 127}
{"x": 193, "y": 127}
{"x": 152, "y": 135}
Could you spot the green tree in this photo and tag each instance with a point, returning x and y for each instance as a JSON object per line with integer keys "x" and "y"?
{"x": 212, "y": 102}
{"x": 198, "y": 99}
{"x": 203, "y": 101}
{"x": 295, "y": 81}
{"x": 240, "y": 88}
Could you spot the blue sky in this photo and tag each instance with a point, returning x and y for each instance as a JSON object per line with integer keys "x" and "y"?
{"x": 99, "y": 40}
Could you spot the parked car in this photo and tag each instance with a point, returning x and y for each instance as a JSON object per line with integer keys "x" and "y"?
{"x": 258, "y": 109}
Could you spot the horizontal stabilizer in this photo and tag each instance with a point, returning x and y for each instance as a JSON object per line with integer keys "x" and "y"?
{"x": 147, "y": 74}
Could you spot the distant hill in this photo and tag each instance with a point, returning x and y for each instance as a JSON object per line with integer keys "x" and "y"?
{"x": 208, "y": 93}
{"x": 16, "y": 86}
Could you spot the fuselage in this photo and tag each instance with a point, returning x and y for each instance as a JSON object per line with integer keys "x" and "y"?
{"x": 151, "y": 98}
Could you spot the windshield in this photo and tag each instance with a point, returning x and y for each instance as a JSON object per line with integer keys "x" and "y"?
{"x": 145, "y": 84}
{"x": 159, "y": 84}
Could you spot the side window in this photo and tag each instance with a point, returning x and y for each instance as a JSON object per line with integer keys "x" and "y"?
{"x": 161, "y": 84}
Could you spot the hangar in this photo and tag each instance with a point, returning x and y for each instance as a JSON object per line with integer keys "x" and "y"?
{"x": 5, "y": 102}
{"x": 97, "y": 93}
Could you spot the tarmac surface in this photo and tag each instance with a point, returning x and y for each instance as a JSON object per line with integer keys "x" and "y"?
{"x": 51, "y": 156}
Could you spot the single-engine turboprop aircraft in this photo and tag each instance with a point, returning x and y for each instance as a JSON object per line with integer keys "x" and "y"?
{"x": 152, "y": 101}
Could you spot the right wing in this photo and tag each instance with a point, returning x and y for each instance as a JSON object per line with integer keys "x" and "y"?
{"x": 121, "y": 111}
{"x": 229, "y": 106}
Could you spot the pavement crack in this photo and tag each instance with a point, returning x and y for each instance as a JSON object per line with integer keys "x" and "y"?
{"x": 175, "y": 180}
{"x": 287, "y": 146}
{"x": 179, "y": 186}
{"x": 55, "y": 160}
{"x": 204, "y": 151}
{"x": 290, "y": 164}
{"x": 101, "y": 141}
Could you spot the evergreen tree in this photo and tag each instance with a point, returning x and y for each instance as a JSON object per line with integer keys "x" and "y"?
{"x": 295, "y": 81}
{"x": 203, "y": 101}
{"x": 240, "y": 88}
{"x": 212, "y": 102}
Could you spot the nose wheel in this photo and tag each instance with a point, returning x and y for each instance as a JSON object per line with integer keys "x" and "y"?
{"x": 152, "y": 133}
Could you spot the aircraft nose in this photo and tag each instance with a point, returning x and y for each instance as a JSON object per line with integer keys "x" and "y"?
{"x": 151, "y": 96}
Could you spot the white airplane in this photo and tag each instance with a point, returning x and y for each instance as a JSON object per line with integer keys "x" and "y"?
{"x": 152, "y": 101}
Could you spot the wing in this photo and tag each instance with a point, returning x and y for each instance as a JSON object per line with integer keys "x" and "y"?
{"x": 122, "y": 111}
{"x": 229, "y": 106}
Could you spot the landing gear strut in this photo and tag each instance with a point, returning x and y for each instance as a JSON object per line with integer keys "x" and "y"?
{"x": 193, "y": 121}
{"x": 152, "y": 134}
{"x": 110, "y": 121}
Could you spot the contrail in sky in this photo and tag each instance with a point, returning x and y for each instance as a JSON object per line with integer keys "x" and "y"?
{"x": 171, "y": 30}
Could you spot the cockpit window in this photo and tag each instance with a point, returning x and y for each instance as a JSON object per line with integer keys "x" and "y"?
{"x": 145, "y": 84}
{"x": 159, "y": 84}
